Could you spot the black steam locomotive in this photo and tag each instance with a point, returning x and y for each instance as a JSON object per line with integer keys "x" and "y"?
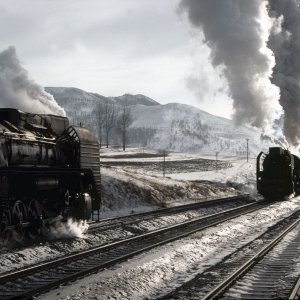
{"x": 48, "y": 169}
{"x": 278, "y": 174}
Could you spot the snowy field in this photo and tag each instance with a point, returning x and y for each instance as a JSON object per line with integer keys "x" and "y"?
{"x": 138, "y": 187}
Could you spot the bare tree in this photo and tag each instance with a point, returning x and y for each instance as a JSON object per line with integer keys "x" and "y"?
{"x": 109, "y": 119}
{"x": 99, "y": 114}
{"x": 124, "y": 121}
{"x": 106, "y": 119}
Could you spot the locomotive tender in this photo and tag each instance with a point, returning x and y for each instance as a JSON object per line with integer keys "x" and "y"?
{"x": 278, "y": 174}
{"x": 48, "y": 169}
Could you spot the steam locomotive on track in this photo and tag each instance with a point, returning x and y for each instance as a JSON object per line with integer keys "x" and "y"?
{"x": 278, "y": 174}
{"x": 47, "y": 169}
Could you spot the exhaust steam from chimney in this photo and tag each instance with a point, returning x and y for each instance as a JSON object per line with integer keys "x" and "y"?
{"x": 284, "y": 41}
{"x": 257, "y": 44}
{"x": 17, "y": 90}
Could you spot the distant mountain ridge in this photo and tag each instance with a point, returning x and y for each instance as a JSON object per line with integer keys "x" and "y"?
{"x": 66, "y": 93}
{"x": 174, "y": 126}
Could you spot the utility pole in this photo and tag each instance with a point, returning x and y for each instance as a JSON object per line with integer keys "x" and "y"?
{"x": 164, "y": 163}
{"x": 247, "y": 149}
{"x": 217, "y": 161}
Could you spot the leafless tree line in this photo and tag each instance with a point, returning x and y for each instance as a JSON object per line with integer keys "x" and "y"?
{"x": 111, "y": 116}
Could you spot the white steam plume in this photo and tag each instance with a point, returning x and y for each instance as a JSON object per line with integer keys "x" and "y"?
{"x": 285, "y": 43}
{"x": 17, "y": 90}
{"x": 69, "y": 229}
{"x": 237, "y": 31}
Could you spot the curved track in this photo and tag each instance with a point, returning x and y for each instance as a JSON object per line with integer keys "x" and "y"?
{"x": 34, "y": 280}
{"x": 264, "y": 275}
{"x": 258, "y": 270}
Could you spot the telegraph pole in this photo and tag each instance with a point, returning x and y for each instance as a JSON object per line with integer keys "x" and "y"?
{"x": 247, "y": 149}
{"x": 164, "y": 163}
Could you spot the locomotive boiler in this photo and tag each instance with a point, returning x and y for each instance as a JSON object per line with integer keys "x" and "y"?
{"x": 48, "y": 169}
{"x": 278, "y": 174}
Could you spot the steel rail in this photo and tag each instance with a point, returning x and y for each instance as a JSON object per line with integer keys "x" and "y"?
{"x": 96, "y": 225}
{"x": 123, "y": 221}
{"x": 205, "y": 281}
{"x": 219, "y": 290}
{"x": 295, "y": 293}
{"x": 62, "y": 270}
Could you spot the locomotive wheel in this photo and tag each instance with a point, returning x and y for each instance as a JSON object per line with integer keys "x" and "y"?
{"x": 34, "y": 217}
{"x": 5, "y": 233}
{"x": 19, "y": 216}
{"x": 18, "y": 233}
{"x": 5, "y": 237}
{"x": 44, "y": 230}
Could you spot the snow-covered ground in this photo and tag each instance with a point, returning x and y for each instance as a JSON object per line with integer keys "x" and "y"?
{"x": 160, "y": 270}
{"x": 124, "y": 192}
{"x": 129, "y": 188}
{"x": 67, "y": 238}
{"x": 242, "y": 173}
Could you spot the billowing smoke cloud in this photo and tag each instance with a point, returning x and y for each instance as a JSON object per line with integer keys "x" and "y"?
{"x": 237, "y": 32}
{"x": 17, "y": 90}
{"x": 285, "y": 43}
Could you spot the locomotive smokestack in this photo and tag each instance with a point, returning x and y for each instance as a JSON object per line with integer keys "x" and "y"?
{"x": 236, "y": 32}
{"x": 17, "y": 90}
{"x": 285, "y": 43}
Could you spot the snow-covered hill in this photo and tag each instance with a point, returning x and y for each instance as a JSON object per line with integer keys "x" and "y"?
{"x": 173, "y": 127}
{"x": 129, "y": 99}
{"x": 184, "y": 128}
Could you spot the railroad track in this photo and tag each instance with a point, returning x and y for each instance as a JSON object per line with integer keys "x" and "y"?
{"x": 40, "y": 278}
{"x": 119, "y": 228}
{"x": 267, "y": 275}
{"x": 259, "y": 270}
{"x": 111, "y": 223}
{"x": 295, "y": 293}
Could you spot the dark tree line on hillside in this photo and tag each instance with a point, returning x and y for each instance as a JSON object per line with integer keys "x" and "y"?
{"x": 140, "y": 136}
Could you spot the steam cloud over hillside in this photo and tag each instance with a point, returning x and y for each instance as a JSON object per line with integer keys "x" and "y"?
{"x": 17, "y": 90}
{"x": 237, "y": 40}
{"x": 244, "y": 37}
{"x": 285, "y": 43}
